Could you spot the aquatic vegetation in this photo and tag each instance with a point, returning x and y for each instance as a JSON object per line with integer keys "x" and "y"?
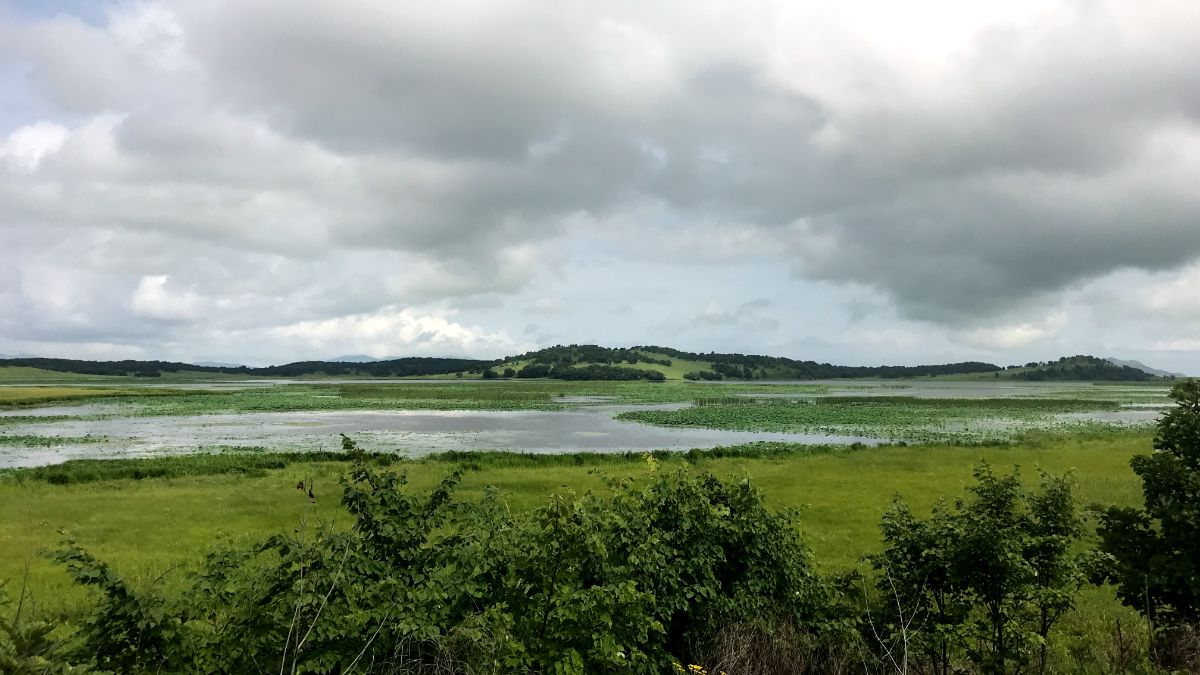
{"x": 892, "y": 417}
{"x": 409, "y": 395}
{"x": 6, "y": 420}
{"x": 32, "y": 441}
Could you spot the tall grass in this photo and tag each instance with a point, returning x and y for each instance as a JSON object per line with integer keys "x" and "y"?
{"x": 147, "y": 515}
{"x": 242, "y": 462}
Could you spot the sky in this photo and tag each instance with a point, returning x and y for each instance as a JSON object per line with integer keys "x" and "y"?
{"x": 263, "y": 181}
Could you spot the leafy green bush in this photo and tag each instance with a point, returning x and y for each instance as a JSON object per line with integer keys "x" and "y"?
{"x": 982, "y": 583}
{"x": 637, "y": 581}
{"x": 1152, "y": 554}
{"x": 28, "y": 645}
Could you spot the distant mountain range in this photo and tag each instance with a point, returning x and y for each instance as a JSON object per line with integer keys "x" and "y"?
{"x": 584, "y": 362}
{"x": 1142, "y": 367}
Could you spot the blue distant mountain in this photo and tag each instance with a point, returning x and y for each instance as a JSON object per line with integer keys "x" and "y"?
{"x": 218, "y": 364}
{"x": 356, "y": 358}
{"x": 1142, "y": 367}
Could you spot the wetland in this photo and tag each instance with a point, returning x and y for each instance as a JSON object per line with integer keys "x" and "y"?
{"x": 411, "y": 418}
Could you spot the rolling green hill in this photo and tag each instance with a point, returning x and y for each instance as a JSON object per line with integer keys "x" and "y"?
{"x": 1081, "y": 367}
{"x": 577, "y": 362}
{"x": 677, "y": 364}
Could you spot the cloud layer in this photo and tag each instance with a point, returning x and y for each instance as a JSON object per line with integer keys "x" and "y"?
{"x": 174, "y": 175}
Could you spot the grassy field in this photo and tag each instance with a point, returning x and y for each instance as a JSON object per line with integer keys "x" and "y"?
{"x": 29, "y": 396}
{"x": 25, "y": 396}
{"x": 154, "y": 526}
{"x": 23, "y": 375}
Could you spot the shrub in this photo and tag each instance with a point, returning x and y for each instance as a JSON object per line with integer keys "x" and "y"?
{"x": 634, "y": 582}
{"x": 983, "y": 582}
{"x": 1152, "y": 554}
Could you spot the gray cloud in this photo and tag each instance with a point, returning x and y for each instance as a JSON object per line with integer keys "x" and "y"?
{"x": 283, "y": 162}
{"x": 751, "y": 316}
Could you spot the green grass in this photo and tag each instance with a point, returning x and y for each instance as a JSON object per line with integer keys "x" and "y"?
{"x": 240, "y": 461}
{"x": 23, "y": 375}
{"x": 32, "y": 396}
{"x": 678, "y": 367}
{"x": 11, "y": 397}
{"x": 146, "y": 525}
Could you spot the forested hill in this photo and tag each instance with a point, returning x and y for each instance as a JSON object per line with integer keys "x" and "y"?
{"x": 413, "y": 366}
{"x": 1082, "y": 368}
{"x": 754, "y": 367}
{"x": 714, "y": 366}
{"x": 591, "y": 362}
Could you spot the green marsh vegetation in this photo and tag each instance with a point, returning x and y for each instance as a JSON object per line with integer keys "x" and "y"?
{"x": 892, "y": 417}
{"x": 29, "y": 441}
{"x": 8, "y": 420}
{"x": 15, "y": 397}
{"x": 397, "y": 395}
{"x": 142, "y": 528}
{"x": 144, "y": 525}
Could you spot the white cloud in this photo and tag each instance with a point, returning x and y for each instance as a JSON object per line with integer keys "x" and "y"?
{"x": 151, "y": 33}
{"x": 1017, "y": 335}
{"x": 391, "y": 331}
{"x": 1175, "y": 297}
{"x": 25, "y": 147}
{"x": 153, "y": 299}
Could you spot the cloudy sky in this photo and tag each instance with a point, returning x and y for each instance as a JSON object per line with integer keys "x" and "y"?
{"x": 860, "y": 182}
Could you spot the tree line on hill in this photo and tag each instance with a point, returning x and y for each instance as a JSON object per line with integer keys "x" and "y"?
{"x": 565, "y": 362}
{"x": 752, "y": 366}
{"x": 589, "y": 372}
{"x": 569, "y": 355}
{"x": 560, "y": 371}
{"x": 405, "y": 367}
{"x": 1083, "y": 367}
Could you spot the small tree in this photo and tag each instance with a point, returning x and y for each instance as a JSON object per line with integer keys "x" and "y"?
{"x": 985, "y": 581}
{"x": 1152, "y": 554}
